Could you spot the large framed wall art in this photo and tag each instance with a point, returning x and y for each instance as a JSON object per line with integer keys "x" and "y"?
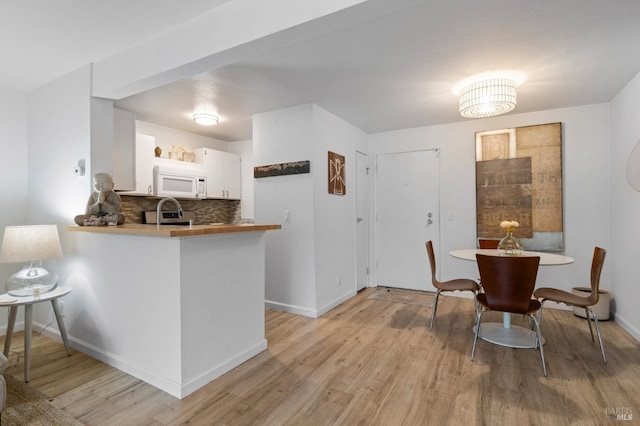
{"x": 519, "y": 177}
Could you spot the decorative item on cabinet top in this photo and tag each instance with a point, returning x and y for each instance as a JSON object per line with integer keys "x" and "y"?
{"x": 181, "y": 154}
{"x": 292, "y": 168}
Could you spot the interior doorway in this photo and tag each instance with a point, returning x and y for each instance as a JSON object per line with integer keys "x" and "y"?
{"x": 362, "y": 220}
{"x": 407, "y": 215}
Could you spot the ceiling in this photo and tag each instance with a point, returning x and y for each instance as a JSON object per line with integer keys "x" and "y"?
{"x": 389, "y": 73}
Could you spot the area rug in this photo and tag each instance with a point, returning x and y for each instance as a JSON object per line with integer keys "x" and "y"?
{"x": 27, "y": 406}
{"x": 408, "y": 297}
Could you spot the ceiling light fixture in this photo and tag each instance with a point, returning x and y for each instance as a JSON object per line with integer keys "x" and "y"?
{"x": 205, "y": 119}
{"x": 488, "y": 98}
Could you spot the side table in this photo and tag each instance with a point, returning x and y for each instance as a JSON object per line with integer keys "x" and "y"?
{"x": 12, "y": 302}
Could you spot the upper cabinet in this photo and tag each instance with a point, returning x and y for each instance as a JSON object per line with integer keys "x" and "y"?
{"x": 140, "y": 167}
{"x": 144, "y": 163}
{"x": 223, "y": 173}
{"x": 124, "y": 134}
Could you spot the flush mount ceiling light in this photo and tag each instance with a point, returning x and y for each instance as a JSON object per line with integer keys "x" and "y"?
{"x": 205, "y": 119}
{"x": 488, "y": 98}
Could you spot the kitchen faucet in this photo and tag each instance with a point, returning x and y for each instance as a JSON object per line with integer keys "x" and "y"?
{"x": 158, "y": 209}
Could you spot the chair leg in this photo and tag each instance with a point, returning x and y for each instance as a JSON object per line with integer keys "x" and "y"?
{"x": 433, "y": 309}
{"x": 477, "y": 332}
{"x": 595, "y": 320}
{"x": 541, "y": 309}
{"x": 539, "y": 320}
{"x": 539, "y": 343}
{"x": 476, "y": 307}
{"x": 586, "y": 312}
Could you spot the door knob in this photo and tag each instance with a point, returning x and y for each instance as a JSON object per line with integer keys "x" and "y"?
{"x": 359, "y": 219}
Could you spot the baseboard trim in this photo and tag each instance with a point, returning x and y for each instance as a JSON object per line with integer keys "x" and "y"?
{"x": 307, "y": 312}
{"x": 335, "y": 303}
{"x": 626, "y": 326}
{"x": 175, "y": 389}
{"x": 292, "y": 309}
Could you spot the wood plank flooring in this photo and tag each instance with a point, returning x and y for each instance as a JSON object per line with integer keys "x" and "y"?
{"x": 369, "y": 362}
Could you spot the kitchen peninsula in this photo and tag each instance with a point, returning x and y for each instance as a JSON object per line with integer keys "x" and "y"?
{"x": 176, "y": 306}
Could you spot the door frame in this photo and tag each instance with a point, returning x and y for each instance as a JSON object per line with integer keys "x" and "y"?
{"x": 358, "y": 155}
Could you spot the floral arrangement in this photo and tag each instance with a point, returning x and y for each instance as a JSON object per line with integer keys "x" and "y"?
{"x": 509, "y": 245}
{"x": 509, "y": 225}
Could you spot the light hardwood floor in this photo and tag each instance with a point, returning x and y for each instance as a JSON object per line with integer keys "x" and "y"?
{"x": 370, "y": 362}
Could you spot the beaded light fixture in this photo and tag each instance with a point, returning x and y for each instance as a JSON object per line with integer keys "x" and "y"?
{"x": 488, "y": 98}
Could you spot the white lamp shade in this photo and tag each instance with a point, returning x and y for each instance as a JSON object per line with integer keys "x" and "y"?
{"x": 488, "y": 98}
{"x": 29, "y": 243}
{"x": 205, "y": 119}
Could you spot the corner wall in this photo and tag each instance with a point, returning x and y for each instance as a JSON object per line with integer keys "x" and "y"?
{"x": 59, "y": 135}
{"x": 311, "y": 260}
{"x": 335, "y": 215}
{"x": 625, "y": 210}
{"x": 280, "y": 137}
{"x": 14, "y": 176}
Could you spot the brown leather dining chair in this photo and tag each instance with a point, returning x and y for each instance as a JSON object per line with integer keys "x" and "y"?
{"x": 561, "y": 296}
{"x": 508, "y": 283}
{"x": 457, "y": 284}
{"x": 485, "y": 243}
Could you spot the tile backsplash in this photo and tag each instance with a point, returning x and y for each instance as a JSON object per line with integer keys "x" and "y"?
{"x": 207, "y": 211}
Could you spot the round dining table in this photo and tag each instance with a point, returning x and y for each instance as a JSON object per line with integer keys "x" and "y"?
{"x": 506, "y": 334}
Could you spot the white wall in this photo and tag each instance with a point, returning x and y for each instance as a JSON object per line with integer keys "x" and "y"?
{"x": 60, "y": 135}
{"x": 334, "y": 215}
{"x": 585, "y": 173}
{"x": 315, "y": 250}
{"x": 280, "y": 137}
{"x": 625, "y": 210}
{"x": 14, "y": 177}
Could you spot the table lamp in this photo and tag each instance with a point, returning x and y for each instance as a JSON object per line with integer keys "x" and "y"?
{"x": 30, "y": 244}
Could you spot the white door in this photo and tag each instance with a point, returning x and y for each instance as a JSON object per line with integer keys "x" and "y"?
{"x": 362, "y": 220}
{"x": 408, "y": 206}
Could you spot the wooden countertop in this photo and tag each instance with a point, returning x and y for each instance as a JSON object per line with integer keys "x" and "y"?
{"x": 171, "y": 230}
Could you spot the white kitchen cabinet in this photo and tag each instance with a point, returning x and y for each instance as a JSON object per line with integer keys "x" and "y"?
{"x": 124, "y": 133}
{"x": 143, "y": 166}
{"x": 223, "y": 173}
{"x": 145, "y": 157}
{"x": 232, "y": 176}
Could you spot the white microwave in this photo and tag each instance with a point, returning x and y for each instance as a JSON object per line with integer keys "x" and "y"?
{"x": 179, "y": 183}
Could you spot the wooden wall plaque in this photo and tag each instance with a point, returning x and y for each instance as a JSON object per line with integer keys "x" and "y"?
{"x": 337, "y": 184}
{"x": 293, "y": 168}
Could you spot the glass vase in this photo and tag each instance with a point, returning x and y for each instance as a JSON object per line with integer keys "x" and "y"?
{"x": 510, "y": 245}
